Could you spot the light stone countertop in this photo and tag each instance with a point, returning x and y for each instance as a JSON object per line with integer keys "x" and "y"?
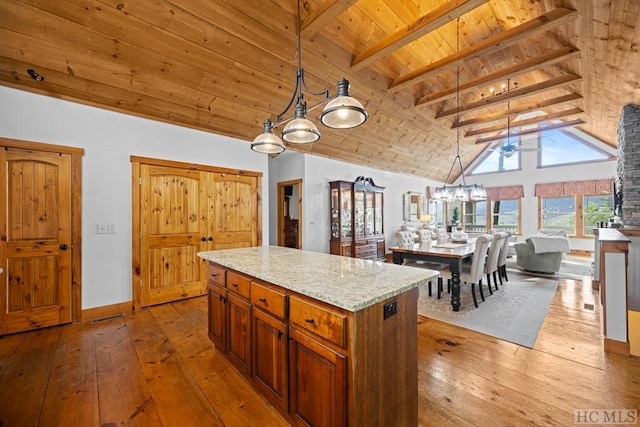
{"x": 348, "y": 283}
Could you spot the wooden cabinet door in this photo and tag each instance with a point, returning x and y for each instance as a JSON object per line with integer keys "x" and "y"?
{"x": 239, "y": 342}
{"x": 173, "y": 229}
{"x": 35, "y": 246}
{"x": 233, "y": 202}
{"x": 317, "y": 378}
{"x": 218, "y": 317}
{"x": 270, "y": 358}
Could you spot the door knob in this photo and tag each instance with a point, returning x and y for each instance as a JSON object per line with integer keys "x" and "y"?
{"x": 64, "y": 247}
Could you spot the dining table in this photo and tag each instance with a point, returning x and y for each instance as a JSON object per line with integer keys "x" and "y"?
{"x": 454, "y": 254}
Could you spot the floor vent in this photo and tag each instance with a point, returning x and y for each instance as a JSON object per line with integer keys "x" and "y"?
{"x": 103, "y": 319}
{"x": 589, "y": 307}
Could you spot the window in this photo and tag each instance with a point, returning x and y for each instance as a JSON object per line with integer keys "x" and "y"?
{"x": 475, "y": 216}
{"x": 597, "y": 209}
{"x": 559, "y": 213}
{"x": 494, "y": 160}
{"x": 575, "y": 206}
{"x": 505, "y": 215}
{"x": 560, "y": 147}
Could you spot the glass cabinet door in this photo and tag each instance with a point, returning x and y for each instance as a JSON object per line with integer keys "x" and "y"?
{"x": 335, "y": 219}
{"x": 345, "y": 213}
{"x": 369, "y": 217}
{"x": 359, "y": 213}
{"x": 378, "y": 214}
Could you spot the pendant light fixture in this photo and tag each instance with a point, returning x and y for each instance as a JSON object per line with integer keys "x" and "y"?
{"x": 341, "y": 112}
{"x": 461, "y": 192}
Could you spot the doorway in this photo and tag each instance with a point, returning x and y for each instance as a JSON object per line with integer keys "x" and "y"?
{"x": 290, "y": 214}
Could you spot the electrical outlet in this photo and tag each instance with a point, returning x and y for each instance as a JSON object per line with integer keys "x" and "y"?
{"x": 390, "y": 309}
{"x": 111, "y": 229}
{"x": 101, "y": 228}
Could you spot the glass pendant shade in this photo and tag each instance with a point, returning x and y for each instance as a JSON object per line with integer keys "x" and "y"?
{"x": 460, "y": 195}
{"x": 300, "y": 130}
{"x": 267, "y": 142}
{"x": 478, "y": 193}
{"x": 343, "y": 111}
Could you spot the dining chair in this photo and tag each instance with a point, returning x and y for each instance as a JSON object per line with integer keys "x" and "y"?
{"x": 441, "y": 234}
{"x": 473, "y": 273}
{"x": 491, "y": 264}
{"x": 502, "y": 258}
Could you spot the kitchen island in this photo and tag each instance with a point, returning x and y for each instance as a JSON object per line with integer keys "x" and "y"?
{"x": 328, "y": 340}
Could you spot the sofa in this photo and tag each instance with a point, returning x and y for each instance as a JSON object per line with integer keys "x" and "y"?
{"x": 542, "y": 252}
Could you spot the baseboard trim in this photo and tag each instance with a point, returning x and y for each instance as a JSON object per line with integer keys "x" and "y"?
{"x": 617, "y": 347}
{"x": 107, "y": 311}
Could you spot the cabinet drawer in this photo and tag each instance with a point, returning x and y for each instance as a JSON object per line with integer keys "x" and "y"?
{"x": 217, "y": 274}
{"x": 327, "y": 323}
{"x": 238, "y": 284}
{"x": 363, "y": 251}
{"x": 268, "y": 299}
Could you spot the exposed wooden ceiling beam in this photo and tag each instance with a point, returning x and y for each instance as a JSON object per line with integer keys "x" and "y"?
{"x": 526, "y": 122}
{"x": 532, "y": 64}
{"x": 514, "y": 94}
{"x": 532, "y": 131}
{"x": 422, "y": 26}
{"x": 506, "y": 38}
{"x": 325, "y": 13}
{"x": 519, "y": 110}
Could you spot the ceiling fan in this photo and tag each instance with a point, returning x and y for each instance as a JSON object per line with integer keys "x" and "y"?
{"x": 507, "y": 147}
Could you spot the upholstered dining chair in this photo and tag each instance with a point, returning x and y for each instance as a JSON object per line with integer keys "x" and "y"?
{"x": 473, "y": 273}
{"x": 441, "y": 234}
{"x": 491, "y": 264}
{"x": 502, "y": 258}
{"x": 424, "y": 236}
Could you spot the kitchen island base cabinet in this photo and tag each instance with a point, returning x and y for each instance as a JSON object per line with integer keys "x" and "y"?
{"x": 318, "y": 383}
{"x": 318, "y": 364}
{"x": 270, "y": 358}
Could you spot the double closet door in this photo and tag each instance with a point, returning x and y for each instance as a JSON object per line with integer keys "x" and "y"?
{"x": 180, "y": 210}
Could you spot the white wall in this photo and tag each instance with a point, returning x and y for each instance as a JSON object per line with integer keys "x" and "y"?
{"x": 109, "y": 139}
{"x": 316, "y": 173}
{"x": 530, "y": 175}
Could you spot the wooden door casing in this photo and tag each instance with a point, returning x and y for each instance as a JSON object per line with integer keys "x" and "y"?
{"x": 36, "y": 239}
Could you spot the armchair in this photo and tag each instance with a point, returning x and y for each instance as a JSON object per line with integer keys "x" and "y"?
{"x": 542, "y": 252}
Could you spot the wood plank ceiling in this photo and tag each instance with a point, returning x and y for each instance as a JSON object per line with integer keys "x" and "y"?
{"x": 224, "y": 66}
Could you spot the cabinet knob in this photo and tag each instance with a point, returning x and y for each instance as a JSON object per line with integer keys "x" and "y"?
{"x": 263, "y": 300}
{"x": 280, "y": 334}
{"x": 210, "y": 238}
{"x": 310, "y": 321}
{"x": 64, "y": 247}
{"x": 235, "y": 285}
{"x": 204, "y": 239}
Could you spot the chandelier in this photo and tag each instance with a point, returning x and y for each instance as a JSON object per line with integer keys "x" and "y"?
{"x": 341, "y": 112}
{"x": 461, "y": 192}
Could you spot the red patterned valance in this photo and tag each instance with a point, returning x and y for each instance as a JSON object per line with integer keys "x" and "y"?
{"x": 572, "y": 188}
{"x": 505, "y": 193}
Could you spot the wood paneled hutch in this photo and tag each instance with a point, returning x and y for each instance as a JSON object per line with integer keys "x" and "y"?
{"x": 356, "y": 215}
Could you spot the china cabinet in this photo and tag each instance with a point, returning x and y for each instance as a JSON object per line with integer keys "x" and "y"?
{"x": 356, "y": 219}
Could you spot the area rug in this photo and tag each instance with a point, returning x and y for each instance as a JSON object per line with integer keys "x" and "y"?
{"x": 569, "y": 269}
{"x": 514, "y": 313}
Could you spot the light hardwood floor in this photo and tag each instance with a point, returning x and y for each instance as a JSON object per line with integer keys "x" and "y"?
{"x": 156, "y": 367}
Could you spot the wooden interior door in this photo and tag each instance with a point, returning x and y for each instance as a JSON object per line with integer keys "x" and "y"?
{"x": 233, "y": 200}
{"x": 35, "y": 246}
{"x": 174, "y": 212}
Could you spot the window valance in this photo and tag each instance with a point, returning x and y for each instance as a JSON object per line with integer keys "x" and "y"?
{"x": 573, "y": 188}
{"x": 505, "y": 193}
